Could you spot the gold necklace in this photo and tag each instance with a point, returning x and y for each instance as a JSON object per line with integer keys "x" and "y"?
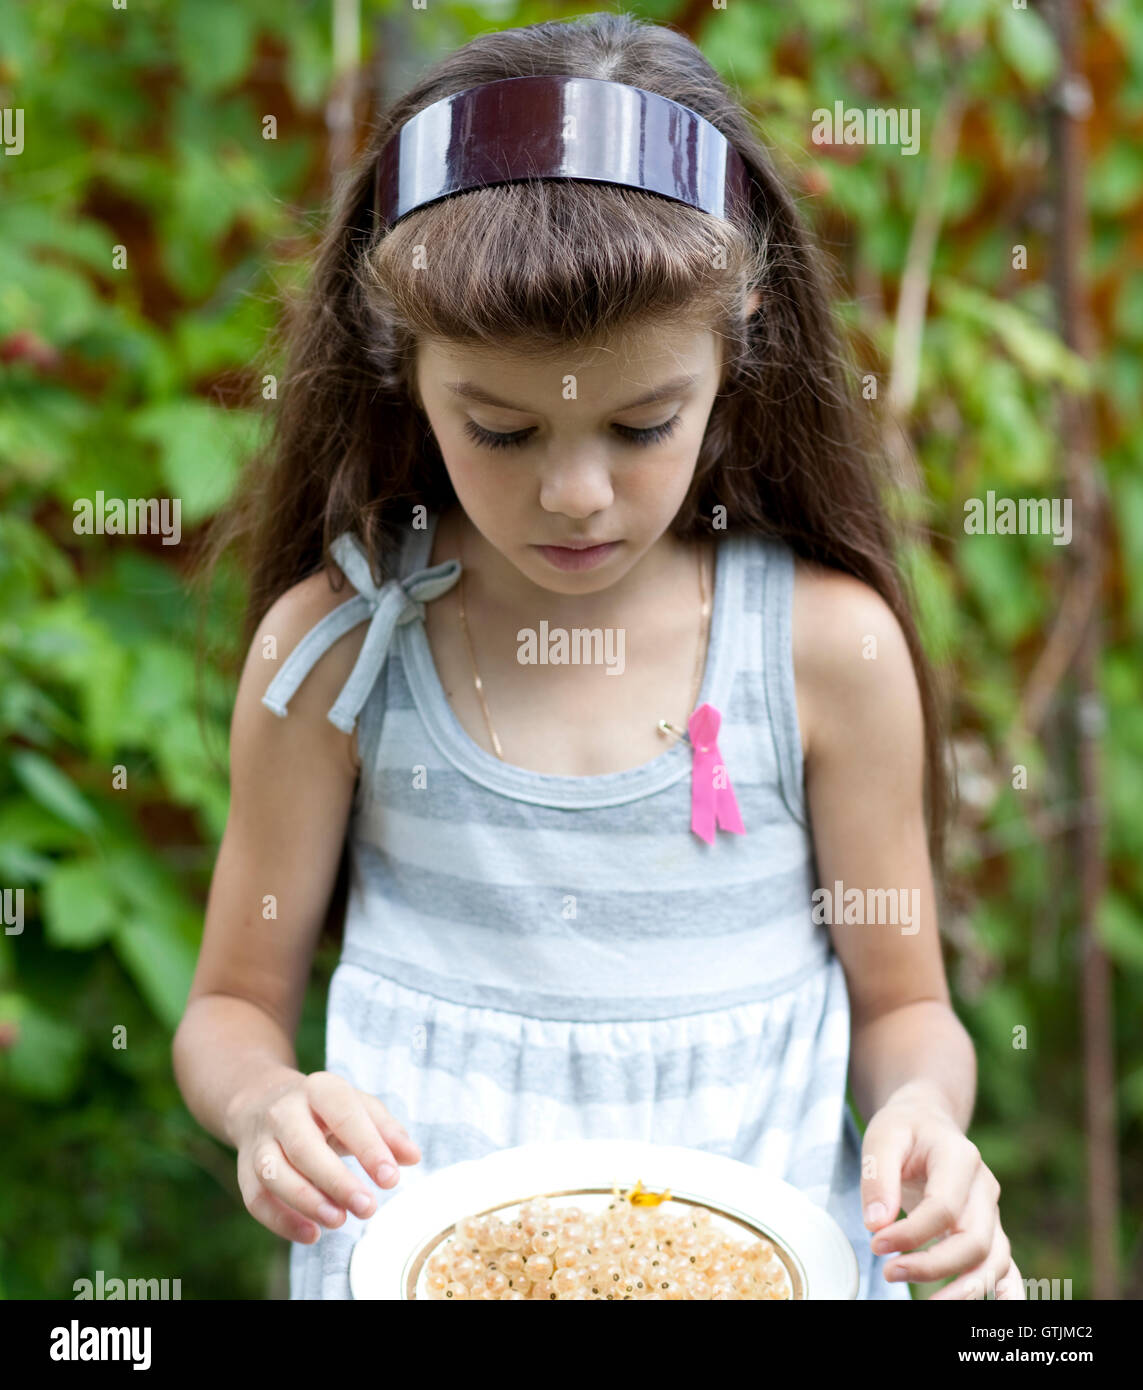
{"x": 662, "y": 725}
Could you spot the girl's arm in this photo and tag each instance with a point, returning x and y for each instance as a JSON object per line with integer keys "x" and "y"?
{"x": 864, "y": 779}
{"x": 912, "y": 1064}
{"x": 291, "y": 787}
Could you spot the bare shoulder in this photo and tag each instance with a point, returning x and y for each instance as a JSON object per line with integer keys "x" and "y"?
{"x": 849, "y": 650}
{"x": 287, "y": 621}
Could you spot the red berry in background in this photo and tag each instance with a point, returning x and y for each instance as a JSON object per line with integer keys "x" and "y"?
{"x": 816, "y": 182}
{"x": 15, "y": 346}
{"x": 26, "y": 346}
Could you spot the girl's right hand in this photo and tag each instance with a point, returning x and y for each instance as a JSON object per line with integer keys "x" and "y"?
{"x": 284, "y": 1130}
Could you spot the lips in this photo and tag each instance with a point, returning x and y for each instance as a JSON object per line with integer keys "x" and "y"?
{"x": 579, "y": 557}
{"x": 578, "y": 545}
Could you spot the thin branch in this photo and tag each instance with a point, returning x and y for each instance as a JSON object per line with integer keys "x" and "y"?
{"x": 339, "y": 118}
{"x": 1071, "y": 104}
{"x": 1059, "y": 651}
{"x": 913, "y": 298}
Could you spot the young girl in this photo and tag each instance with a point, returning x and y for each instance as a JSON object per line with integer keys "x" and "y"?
{"x": 566, "y": 453}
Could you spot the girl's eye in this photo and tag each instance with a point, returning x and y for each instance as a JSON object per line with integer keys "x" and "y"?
{"x": 490, "y": 440}
{"x": 493, "y": 441}
{"x": 649, "y": 436}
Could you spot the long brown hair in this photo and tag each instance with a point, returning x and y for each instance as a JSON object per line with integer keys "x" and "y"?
{"x": 544, "y": 266}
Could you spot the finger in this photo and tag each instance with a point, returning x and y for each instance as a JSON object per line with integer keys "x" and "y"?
{"x": 295, "y": 1130}
{"x": 265, "y": 1208}
{"x": 884, "y": 1150}
{"x": 1011, "y": 1286}
{"x": 951, "y": 1178}
{"x": 280, "y": 1176}
{"x": 278, "y": 1217}
{"x": 341, "y": 1109}
{"x": 981, "y": 1282}
{"x": 981, "y": 1276}
{"x": 404, "y": 1148}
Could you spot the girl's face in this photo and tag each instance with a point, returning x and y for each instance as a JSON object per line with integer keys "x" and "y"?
{"x": 574, "y": 452}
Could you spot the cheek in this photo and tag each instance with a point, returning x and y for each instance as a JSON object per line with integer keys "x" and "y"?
{"x": 480, "y": 478}
{"x": 665, "y": 475}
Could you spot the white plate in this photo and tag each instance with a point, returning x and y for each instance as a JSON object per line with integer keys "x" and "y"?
{"x": 389, "y": 1260}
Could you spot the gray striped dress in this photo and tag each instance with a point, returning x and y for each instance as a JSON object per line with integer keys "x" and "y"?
{"x": 530, "y": 957}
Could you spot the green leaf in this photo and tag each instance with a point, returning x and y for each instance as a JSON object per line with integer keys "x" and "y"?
{"x": 147, "y": 886}
{"x": 201, "y": 449}
{"x": 162, "y": 683}
{"x": 996, "y": 568}
{"x": 1113, "y": 181}
{"x": 741, "y": 39}
{"x": 46, "y": 784}
{"x": 28, "y": 559}
{"x": 61, "y": 640}
{"x": 1002, "y": 1150}
{"x": 162, "y": 964}
{"x": 214, "y": 39}
{"x": 1027, "y": 45}
{"x": 1121, "y": 930}
{"x": 24, "y": 822}
{"x": 19, "y": 864}
{"x": 998, "y": 1013}
{"x": 1036, "y": 348}
{"x": 306, "y": 39}
{"x": 967, "y": 16}
{"x": 938, "y": 617}
{"x": 1129, "y": 517}
{"x": 1131, "y": 1090}
{"x": 37, "y": 431}
{"x": 1128, "y": 308}
{"x": 182, "y": 758}
{"x": 80, "y": 905}
{"x": 46, "y": 1060}
{"x": 34, "y": 225}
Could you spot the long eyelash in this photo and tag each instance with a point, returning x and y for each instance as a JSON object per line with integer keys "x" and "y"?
{"x": 651, "y": 436}
{"x": 493, "y": 441}
{"x": 489, "y": 440}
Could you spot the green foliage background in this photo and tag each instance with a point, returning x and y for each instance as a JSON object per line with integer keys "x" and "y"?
{"x": 144, "y": 129}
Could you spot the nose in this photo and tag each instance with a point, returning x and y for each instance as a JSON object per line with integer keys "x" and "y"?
{"x": 577, "y": 488}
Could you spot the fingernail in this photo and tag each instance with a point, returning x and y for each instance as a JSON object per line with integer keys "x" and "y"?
{"x": 385, "y": 1172}
{"x": 328, "y": 1213}
{"x": 875, "y": 1212}
{"x": 361, "y": 1202}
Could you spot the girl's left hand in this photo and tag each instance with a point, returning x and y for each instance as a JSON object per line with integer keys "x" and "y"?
{"x": 923, "y": 1161}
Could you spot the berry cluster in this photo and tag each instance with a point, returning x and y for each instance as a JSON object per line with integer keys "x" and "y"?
{"x": 626, "y": 1251}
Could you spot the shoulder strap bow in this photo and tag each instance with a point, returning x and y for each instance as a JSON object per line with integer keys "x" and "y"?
{"x": 395, "y": 601}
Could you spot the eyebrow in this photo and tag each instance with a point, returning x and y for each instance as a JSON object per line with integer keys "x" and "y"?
{"x": 470, "y": 391}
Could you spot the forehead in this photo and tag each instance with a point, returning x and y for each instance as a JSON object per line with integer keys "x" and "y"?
{"x": 639, "y": 358}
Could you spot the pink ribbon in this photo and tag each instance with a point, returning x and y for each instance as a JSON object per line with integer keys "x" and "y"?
{"x": 712, "y": 796}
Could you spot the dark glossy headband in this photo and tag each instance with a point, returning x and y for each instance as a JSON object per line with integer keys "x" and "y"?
{"x": 557, "y": 127}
